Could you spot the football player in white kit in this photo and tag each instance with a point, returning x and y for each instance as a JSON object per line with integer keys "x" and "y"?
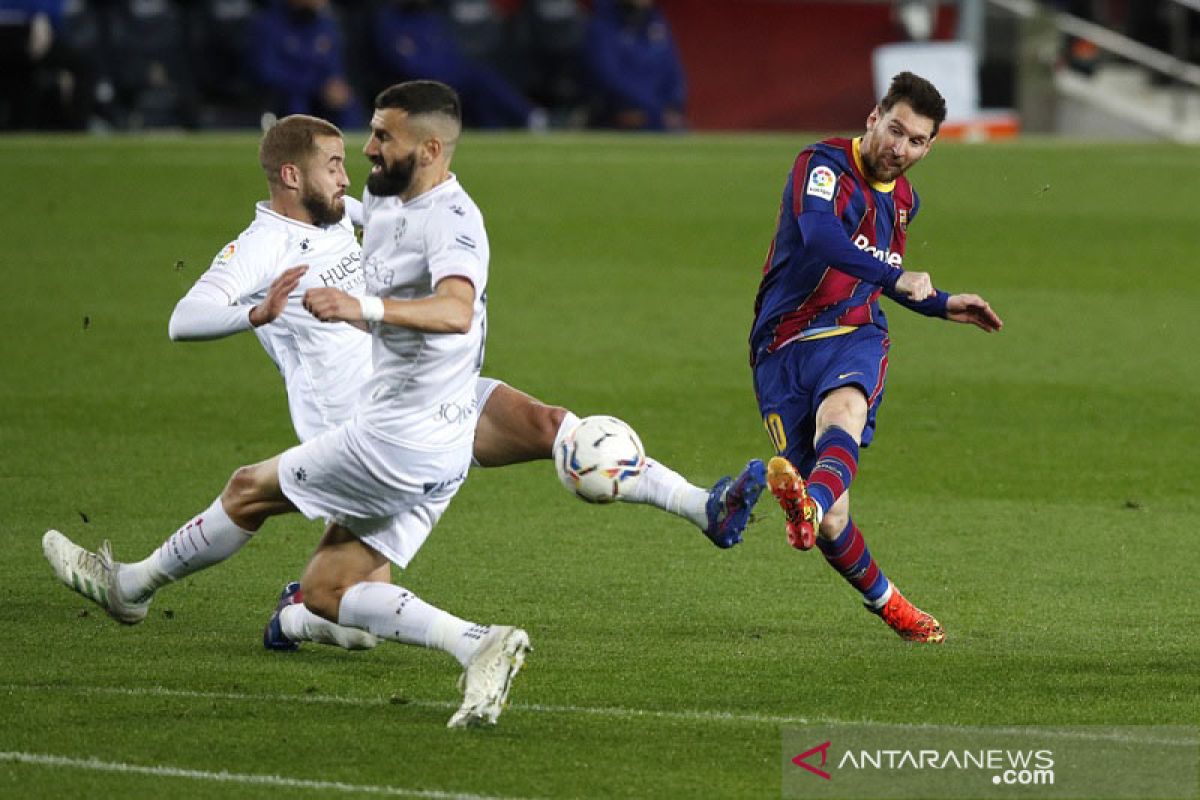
{"x": 253, "y": 284}
{"x": 383, "y": 478}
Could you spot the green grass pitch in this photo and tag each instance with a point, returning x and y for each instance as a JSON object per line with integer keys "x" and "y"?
{"x": 1036, "y": 489}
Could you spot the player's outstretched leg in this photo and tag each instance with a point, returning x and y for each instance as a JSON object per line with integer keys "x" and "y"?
{"x": 93, "y": 575}
{"x": 801, "y": 511}
{"x": 488, "y": 676}
{"x": 730, "y": 502}
{"x": 292, "y": 623}
{"x": 125, "y": 590}
{"x": 721, "y": 512}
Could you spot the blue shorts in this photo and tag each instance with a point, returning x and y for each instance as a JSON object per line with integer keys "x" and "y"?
{"x": 791, "y": 382}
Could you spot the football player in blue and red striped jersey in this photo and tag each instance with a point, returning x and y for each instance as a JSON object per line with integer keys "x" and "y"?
{"x": 819, "y": 343}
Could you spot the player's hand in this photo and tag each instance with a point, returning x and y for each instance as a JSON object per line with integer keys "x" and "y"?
{"x": 277, "y": 296}
{"x": 974, "y": 310}
{"x": 916, "y": 286}
{"x": 332, "y": 305}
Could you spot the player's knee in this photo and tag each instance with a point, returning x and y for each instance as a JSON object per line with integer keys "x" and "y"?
{"x": 242, "y": 490}
{"x": 845, "y": 407}
{"x": 241, "y": 483}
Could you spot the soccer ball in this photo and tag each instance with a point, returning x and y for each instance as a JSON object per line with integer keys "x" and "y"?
{"x": 600, "y": 459}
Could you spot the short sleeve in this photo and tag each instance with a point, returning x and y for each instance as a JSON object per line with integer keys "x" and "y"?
{"x": 457, "y": 245}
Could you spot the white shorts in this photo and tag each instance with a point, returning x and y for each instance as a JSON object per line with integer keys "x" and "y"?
{"x": 387, "y": 495}
{"x": 483, "y": 390}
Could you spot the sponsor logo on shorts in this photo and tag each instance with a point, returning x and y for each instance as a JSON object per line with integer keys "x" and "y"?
{"x": 821, "y": 183}
{"x": 440, "y": 487}
{"x": 300, "y": 475}
{"x": 456, "y": 413}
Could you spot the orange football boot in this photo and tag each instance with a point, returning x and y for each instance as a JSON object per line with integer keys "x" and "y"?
{"x": 800, "y": 509}
{"x": 913, "y": 624}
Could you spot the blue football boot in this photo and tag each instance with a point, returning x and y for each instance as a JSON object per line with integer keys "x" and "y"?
{"x": 273, "y": 638}
{"x": 729, "y": 504}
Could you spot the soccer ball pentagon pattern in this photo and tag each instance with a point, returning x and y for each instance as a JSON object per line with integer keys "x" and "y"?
{"x": 600, "y": 459}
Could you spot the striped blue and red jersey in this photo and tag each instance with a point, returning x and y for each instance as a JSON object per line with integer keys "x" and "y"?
{"x": 838, "y": 245}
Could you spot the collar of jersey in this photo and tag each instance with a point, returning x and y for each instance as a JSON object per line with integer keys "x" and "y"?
{"x": 451, "y": 180}
{"x": 264, "y": 208}
{"x": 858, "y": 162}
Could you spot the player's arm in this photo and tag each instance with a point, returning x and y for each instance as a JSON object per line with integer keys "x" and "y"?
{"x": 970, "y": 309}
{"x": 450, "y": 309}
{"x": 815, "y": 186}
{"x": 454, "y": 239}
{"x": 207, "y": 311}
{"x": 825, "y": 237}
{"x": 932, "y": 306}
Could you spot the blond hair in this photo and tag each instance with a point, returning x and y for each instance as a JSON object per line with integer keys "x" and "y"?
{"x": 292, "y": 140}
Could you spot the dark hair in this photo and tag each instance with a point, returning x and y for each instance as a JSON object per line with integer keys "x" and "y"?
{"x": 921, "y": 95}
{"x": 421, "y": 97}
{"x": 292, "y": 140}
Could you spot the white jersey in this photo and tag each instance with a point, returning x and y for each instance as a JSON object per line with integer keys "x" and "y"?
{"x": 422, "y": 392}
{"x": 323, "y": 364}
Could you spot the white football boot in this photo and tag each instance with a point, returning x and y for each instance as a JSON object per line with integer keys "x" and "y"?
{"x": 488, "y": 676}
{"x": 93, "y": 575}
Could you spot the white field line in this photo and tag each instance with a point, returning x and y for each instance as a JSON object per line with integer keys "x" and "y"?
{"x": 1062, "y": 732}
{"x": 281, "y": 781}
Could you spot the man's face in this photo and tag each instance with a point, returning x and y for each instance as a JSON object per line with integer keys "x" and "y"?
{"x": 894, "y": 141}
{"x": 324, "y": 181}
{"x": 392, "y": 150}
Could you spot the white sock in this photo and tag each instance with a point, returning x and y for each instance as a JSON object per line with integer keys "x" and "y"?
{"x": 883, "y": 598}
{"x": 569, "y": 421}
{"x": 392, "y": 612}
{"x": 208, "y": 539}
{"x": 665, "y": 488}
{"x": 301, "y": 625}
